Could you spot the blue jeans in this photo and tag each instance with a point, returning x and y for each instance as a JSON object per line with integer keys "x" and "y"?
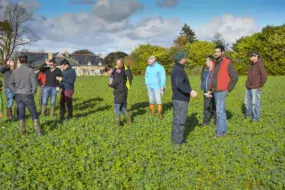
{"x": 120, "y": 108}
{"x": 154, "y": 95}
{"x": 49, "y": 92}
{"x": 221, "y": 123}
{"x": 23, "y": 101}
{"x": 9, "y": 96}
{"x": 252, "y": 103}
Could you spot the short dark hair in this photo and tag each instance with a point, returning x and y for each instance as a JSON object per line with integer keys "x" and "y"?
{"x": 64, "y": 62}
{"x": 23, "y": 59}
{"x": 211, "y": 57}
{"x": 222, "y": 48}
{"x": 52, "y": 61}
{"x": 108, "y": 68}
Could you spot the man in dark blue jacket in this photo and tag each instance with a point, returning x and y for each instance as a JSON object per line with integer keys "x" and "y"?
{"x": 67, "y": 86}
{"x": 209, "y": 102}
{"x": 182, "y": 91}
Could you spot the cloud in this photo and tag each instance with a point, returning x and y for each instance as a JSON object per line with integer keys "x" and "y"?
{"x": 231, "y": 28}
{"x": 30, "y": 5}
{"x": 115, "y": 10}
{"x": 167, "y": 3}
{"x": 82, "y": 2}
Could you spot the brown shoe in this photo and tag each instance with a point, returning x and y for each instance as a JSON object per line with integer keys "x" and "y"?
{"x": 22, "y": 126}
{"x": 51, "y": 111}
{"x": 159, "y": 110}
{"x": 151, "y": 107}
{"x": 43, "y": 110}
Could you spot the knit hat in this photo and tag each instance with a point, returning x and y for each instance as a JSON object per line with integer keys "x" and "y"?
{"x": 179, "y": 55}
{"x": 254, "y": 54}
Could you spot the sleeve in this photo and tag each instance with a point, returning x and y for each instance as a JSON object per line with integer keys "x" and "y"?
{"x": 233, "y": 76}
{"x": 129, "y": 75}
{"x": 4, "y": 68}
{"x": 179, "y": 79}
{"x": 115, "y": 82}
{"x": 202, "y": 72}
{"x": 43, "y": 68}
{"x": 263, "y": 74}
{"x": 69, "y": 78}
{"x": 33, "y": 82}
{"x": 145, "y": 77}
{"x": 162, "y": 77}
{"x": 12, "y": 82}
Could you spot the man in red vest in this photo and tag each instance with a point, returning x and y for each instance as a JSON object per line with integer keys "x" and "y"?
{"x": 224, "y": 79}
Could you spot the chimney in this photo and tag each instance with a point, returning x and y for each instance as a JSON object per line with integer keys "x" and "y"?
{"x": 100, "y": 54}
{"x": 49, "y": 56}
{"x": 66, "y": 53}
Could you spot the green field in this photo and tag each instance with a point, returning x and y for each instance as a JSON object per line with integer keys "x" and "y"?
{"x": 87, "y": 152}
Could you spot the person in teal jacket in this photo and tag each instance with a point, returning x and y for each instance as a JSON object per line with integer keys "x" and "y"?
{"x": 155, "y": 80}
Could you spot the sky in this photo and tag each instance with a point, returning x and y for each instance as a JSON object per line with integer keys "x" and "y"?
{"x": 121, "y": 25}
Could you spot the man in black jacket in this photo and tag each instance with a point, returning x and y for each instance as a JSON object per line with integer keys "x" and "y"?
{"x": 182, "y": 91}
{"x": 51, "y": 85}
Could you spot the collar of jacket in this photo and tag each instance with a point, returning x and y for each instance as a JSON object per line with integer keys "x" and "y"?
{"x": 180, "y": 65}
{"x": 124, "y": 67}
{"x": 24, "y": 65}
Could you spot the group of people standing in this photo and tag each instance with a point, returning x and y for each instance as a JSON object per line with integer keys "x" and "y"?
{"x": 218, "y": 78}
{"x": 21, "y": 86}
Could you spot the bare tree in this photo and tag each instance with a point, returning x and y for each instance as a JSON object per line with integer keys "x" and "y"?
{"x": 14, "y": 32}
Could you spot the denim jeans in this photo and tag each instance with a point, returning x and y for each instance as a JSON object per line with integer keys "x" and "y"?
{"x": 154, "y": 95}
{"x": 41, "y": 97}
{"x": 9, "y": 96}
{"x": 49, "y": 92}
{"x": 252, "y": 103}
{"x": 23, "y": 101}
{"x": 209, "y": 105}
{"x": 221, "y": 124}
{"x": 180, "y": 111}
{"x": 120, "y": 108}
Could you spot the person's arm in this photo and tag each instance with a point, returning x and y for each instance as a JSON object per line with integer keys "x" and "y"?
{"x": 4, "y": 68}
{"x": 58, "y": 74}
{"x": 180, "y": 84}
{"x": 12, "y": 82}
{"x": 129, "y": 75}
{"x": 233, "y": 76}
{"x": 145, "y": 77}
{"x": 162, "y": 77}
{"x": 202, "y": 73}
{"x": 115, "y": 82}
{"x": 263, "y": 74}
{"x": 43, "y": 68}
{"x": 33, "y": 82}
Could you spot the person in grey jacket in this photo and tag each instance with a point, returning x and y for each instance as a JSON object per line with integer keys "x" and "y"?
{"x": 23, "y": 83}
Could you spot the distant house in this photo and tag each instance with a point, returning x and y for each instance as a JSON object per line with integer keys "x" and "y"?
{"x": 84, "y": 65}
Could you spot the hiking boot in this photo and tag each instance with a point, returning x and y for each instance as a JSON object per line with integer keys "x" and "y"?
{"x": 61, "y": 113}
{"x": 128, "y": 118}
{"x": 117, "y": 121}
{"x": 9, "y": 113}
{"x": 151, "y": 107}
{"x": 22, "y": 126}
{"x": 159, "y": 110}
{"x": 51, "y": 111}
{"x": 69, "y": 113}
{"x": 38, "y": 127}
{"x": 43, "y": 110}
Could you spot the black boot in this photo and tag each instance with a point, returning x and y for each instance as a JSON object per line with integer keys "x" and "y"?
{"x": 69, "y": 113}
{"x": 62, "y": 113}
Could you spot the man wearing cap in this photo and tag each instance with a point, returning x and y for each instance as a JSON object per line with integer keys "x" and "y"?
{"x": 155, "y": 82}
{"x": 224, "y": 79}
{"x": 255, "y": 80}
{"x": 182, "y": 91}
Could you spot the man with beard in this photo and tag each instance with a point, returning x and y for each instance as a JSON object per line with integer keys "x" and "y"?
{"x": 256, "y": 79}
{"x": 224, "y": 79}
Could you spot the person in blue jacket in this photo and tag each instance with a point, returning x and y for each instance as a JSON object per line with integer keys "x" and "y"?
{"x": 155, "y": 79}
{"x": 209, "y": 102}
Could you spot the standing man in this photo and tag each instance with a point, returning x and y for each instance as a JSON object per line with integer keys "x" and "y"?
{"x": 67, "y": 86}
{"x": 7, "y": 71}
{"x": 182, "y": 91}
{"x": 155, "y": 82}
{"x": 255, "y": 80}
{"x": 23, "y": 83}
{"x": 51, "y": 84}
{"x": 224, "y": 79}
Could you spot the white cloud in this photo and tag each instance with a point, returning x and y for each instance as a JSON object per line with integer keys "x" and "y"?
{"x": 231, "y": 28}
{"x": 167, "y": 3}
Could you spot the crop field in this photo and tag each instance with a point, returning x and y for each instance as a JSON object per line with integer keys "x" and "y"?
{"x": 87, "y": 152}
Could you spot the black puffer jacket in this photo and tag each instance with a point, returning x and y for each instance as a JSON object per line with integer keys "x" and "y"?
{"x": 119, "y": 85}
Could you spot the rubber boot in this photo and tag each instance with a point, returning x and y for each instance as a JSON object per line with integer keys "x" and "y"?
{"x": 61, "y": 113}
{"x": 15, "y": 113}
{"x": 51, "y": 111}
{"x": 151, "y": 107}
{"x": 9, "y": 113}
{"x": 159, "y": 110}
{"x": 69, "y": 113}
{"x": 22, "y": 126}
{"x": 43, "y": 110}
{"x": 128, "y": 118}
{"x": 38, "y": 127}
{"x": 117, "y": 121}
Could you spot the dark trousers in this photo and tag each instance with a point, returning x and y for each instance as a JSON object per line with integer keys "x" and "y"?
{"x": 41, "y": 95}
{"x": 23, "y": 101}
{"x": 180, "y": 110}
{"x": 209, "y": 109}
{"x": 66, "y": 98}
